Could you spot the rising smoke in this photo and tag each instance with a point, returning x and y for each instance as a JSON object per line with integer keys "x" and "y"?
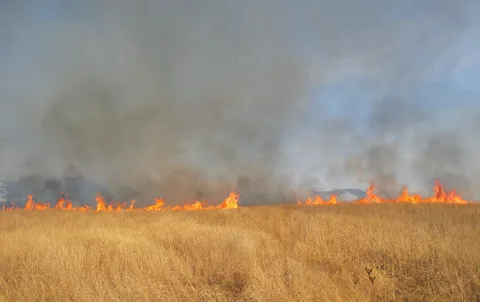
{"x": 179, "y": 98}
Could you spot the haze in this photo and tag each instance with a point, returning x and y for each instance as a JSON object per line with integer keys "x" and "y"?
{"x": 174, "y": 97}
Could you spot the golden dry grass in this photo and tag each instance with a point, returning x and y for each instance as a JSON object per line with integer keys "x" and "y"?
{"x": 415, "y": 253}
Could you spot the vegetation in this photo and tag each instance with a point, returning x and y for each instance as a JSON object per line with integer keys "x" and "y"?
{"x": 384, "y": 252}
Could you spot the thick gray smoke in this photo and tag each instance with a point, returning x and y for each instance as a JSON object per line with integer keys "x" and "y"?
{"x": 179, "y": 98}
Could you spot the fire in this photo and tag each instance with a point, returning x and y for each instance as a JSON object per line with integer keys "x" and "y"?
{"x": 131, "y": 207}
{"x": 101, "y": 207}
{"x": 439, "y": 196}
{"x": 66, "y": 204}
{"x": 32, "y": 205}
{"x": 370, "y": 197}
{"x": 319, "y": 201}
{"x": 60, "y": 203}
{"x": 231, "y": 202}
{"x": 158, "y": 206}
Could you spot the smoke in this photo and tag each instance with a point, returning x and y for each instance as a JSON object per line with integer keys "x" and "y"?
{"x": 178, "y": 98}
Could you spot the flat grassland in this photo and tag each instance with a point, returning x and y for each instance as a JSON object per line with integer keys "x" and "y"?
{"x": 278, "y": 253}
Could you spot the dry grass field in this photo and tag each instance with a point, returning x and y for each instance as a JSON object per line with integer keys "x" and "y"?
{"x": 279, "y": 253}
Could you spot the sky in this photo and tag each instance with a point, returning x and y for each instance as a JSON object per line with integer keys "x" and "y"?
{"x": 305, "y": 94}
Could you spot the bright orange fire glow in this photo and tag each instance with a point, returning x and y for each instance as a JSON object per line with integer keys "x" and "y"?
{"x": 319, "y": 201}
{"x": 231, "y": 202}
{"x": 439, "y": 196}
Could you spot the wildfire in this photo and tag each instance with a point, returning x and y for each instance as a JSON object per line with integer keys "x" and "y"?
{"x": 319, "y": 201}
{"x": 231, "y": 202}
{"x": 439, "y": 196}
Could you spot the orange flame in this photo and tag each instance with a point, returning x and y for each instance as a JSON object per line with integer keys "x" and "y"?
{"x": 131, "y": 207}
{"x": 231, "y": 202}
{"x": 439, "y": 196}
{"x": 158, "y": 206}
{"x": 101, "y": 207}
{"x": 319, "y": 201}
{"x": 32, "y": 205}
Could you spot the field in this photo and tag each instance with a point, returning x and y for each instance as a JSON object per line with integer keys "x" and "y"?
{"x": 384, "y": 252}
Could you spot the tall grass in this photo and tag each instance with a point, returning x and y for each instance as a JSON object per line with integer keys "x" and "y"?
{"x": 331, "y": 253}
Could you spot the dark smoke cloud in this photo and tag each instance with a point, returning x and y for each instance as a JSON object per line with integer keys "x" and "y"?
{"x": 185, "y": 97}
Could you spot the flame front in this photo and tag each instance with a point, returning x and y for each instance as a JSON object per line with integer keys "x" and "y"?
{"x": 319, "y": 201}
{"x": 101, "y": 207}
{"x": 231, "y": 202}
{"x": 439, "y": 196}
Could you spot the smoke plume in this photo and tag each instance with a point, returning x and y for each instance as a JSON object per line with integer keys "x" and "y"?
{"x": 179, "y": 98}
